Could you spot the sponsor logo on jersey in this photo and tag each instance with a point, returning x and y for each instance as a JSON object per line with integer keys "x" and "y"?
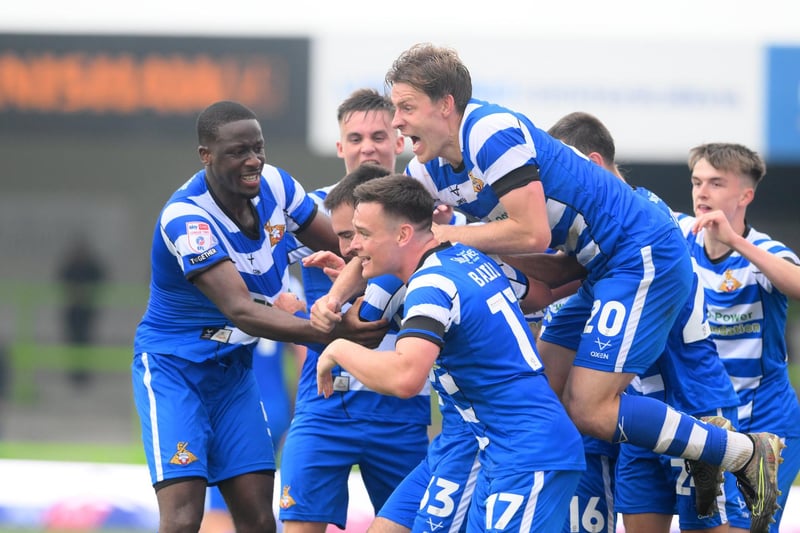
{"x": 623, "y": 437}
{"x": 286, "y": 500}
{"x": 437, "y": 525}
{"x": 602, "y": 346}
{"x": 725, "y": 316}
{"x": 199, "y": 236}
{"x": 729, "y": 284}
{"x": 466, "y": 256}
{"x": 183, "y": 456}
{"x": 275, "y": 233}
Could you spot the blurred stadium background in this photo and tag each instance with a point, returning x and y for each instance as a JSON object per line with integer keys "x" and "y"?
{"x": 97, "y": 109}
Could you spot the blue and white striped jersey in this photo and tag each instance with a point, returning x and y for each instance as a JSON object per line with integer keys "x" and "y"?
{"x": 747, "y": 315}
{"x": 488, "y": 368}
{"x": 592, "y": 214}
{"x": 193, "y": 233}
{"x": 383, "y": 298}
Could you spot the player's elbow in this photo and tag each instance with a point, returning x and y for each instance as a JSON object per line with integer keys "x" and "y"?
{"x": 405, "y": 393}
{"x": 536, "y": 240}
{"x": 408, "y": 387}
{"x": 238, "y": 315}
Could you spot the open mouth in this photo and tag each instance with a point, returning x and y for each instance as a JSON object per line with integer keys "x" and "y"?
{"x": 415, "y": 143}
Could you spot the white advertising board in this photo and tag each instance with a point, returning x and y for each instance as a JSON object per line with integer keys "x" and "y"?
{"x": 658, "y": 98}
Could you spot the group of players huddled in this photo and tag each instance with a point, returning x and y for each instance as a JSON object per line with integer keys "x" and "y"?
{"x": 592, "y": 352}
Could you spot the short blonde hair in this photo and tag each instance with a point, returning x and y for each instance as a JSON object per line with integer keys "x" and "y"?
{"x": 732, "y": 158}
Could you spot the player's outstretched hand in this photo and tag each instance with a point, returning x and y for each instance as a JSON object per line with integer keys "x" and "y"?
{"x": 441, "y": 232}
{"x": 330, "y": 263}
{"x": 353, "y": 328}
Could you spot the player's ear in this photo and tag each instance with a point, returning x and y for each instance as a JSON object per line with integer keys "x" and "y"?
{"x": 596, "y": 158}
{"x": 400, "y": 144}
{"x": 405, "y": 233}
{"x": 747, "y": 196}
{"x": 205, "y": 155}
{"x": 447, "y": 104}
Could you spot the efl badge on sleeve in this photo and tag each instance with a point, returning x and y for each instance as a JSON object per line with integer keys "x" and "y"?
{"x": 199, "y": 236}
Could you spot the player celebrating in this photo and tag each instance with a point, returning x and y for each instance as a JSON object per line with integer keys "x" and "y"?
{"x": 218, "y": 261}
{"x": 536, "y": 192}
{"x": 463, "y": 326}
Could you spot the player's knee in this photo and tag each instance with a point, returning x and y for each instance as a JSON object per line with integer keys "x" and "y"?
{"x": 183, "y": 521}
{"x": 259, "y": 523}
{"x": 594, "y": 418}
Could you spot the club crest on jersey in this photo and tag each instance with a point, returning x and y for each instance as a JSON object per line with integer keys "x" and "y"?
{"x": 275, "y": 232}
{"x": 199, "y": 236}
{"x": 477, "y": 183}
{"x": 286, "y": 500}
{"x": 183, "y": 456}
{"x": 729, "y": 284}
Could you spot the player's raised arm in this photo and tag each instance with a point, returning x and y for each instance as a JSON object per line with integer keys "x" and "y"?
{"x": 523, "y": 230}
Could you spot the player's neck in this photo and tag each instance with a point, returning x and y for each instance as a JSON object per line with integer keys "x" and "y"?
{"x": 421, "y": 248}
{"x": 715, "y": 249}
{"x": 238, "y": 208}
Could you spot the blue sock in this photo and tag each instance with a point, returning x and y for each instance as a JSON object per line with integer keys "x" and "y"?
{"x": 643, "y": 421}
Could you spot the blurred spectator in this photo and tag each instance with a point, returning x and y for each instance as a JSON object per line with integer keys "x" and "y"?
{"x": 81, "y": 274}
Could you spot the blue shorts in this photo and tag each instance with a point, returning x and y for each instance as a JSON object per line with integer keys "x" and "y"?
{"x": 435, "y": 496}
{"x": 667, "y": 487}
{"x": 319, "y": 452}
{"x": 623, "y": 320}
{"x": 200, "y": 419}
{"x": 525, "y": 502}
{"x": 592, "y": 506}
